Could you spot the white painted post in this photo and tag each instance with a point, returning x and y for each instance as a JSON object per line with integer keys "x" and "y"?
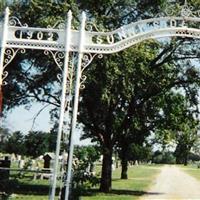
{"x": 75, "y": 105}
{"x": 3, "y": 46}
{"x": 62, "y": 106}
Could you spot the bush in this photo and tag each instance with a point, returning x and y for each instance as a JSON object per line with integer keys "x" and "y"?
{"x": 83, "y": 176}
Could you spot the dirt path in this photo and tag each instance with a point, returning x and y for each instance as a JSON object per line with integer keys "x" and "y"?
{"x": 174, "y": 184}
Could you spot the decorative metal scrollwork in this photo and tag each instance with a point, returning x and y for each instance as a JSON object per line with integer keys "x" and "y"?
{"x": 4, "y": 76}
{"x": 58, "y": 57}
{"x": 86, "y": 60}
{"x": 70, "y": 77}
{"x": 60, "y": 24}
{"x": 70, "y": 84}
{"x": 59, "y": 77}
{"x": 185, "y": 10}
{"x": 169, "y": 11}
{"x": 83, "y": 79}
{"x": 10, "y": 54}
{"x": 14, "y": 21}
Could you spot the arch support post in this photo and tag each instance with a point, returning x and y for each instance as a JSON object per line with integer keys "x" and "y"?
{"x": 62, "y": 105}
{"x": 3, "y": 47}
{"x": 75, "y": 106}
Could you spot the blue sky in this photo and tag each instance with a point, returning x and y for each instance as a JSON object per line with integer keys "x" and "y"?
{"x": 21, "y": 119}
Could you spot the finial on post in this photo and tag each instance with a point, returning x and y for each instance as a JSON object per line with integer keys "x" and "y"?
{"x": 83, "y": 16}
{"x": 6, "y": 17}
{"x": 69, "y": 14}
{"x": 7, "y": 11}
{"x": 185, "y": 3}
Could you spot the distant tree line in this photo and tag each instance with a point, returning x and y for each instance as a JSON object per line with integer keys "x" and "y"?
{"x": 34, "y": 144}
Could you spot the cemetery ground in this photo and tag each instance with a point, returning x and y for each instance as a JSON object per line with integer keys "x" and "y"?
{"x": 137, "y": 187}
{"x": 140, "y": 179}
{"x": 21, "y": 185}
{"x": 192, "y": 170}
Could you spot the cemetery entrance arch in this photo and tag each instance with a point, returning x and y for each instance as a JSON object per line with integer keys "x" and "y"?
{"x": 84, "y": 43}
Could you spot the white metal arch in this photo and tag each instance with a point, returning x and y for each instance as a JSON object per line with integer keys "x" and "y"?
{"x": 53, "y": 39}
{"x": 128, "y": 35}
{"x": 61, "y": 39}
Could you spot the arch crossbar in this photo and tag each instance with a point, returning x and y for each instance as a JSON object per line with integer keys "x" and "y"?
{"x": 126, "y": 36}
{"x": 53, "y": 39}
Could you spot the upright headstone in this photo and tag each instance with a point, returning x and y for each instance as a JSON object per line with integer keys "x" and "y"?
{"x": 21, "y": 164}
{"x": 5, "y": 173}
{"x": 47, "y": 160}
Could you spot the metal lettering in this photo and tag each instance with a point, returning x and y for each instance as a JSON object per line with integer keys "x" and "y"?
{"x": 173, "y": 23}
{"x": 99, "y": 40}
{"x": 122, "y": 33}
{"x": 110, "y": 39}
{"x": 30, "y": 35}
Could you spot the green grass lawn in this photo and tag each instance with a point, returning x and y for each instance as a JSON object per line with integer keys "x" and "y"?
{"x": 140, "y": 179}
{"x": 25, "y": 188}
{"x": 192, "y": 170}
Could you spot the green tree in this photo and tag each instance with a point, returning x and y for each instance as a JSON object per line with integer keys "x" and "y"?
{"x": 136, "y": 152}
{"x": 164, "y": 157}
{"x": 36, "y": 143}
{"x": 15, "y": 143}
{"x": 126, "y": 96}
{"x": 186, "y": 139}
{"x": 4, "y": 134}
{"x": 180, "y": 124}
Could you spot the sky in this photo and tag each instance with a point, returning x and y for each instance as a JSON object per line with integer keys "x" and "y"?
{"x": 21, "y": 119}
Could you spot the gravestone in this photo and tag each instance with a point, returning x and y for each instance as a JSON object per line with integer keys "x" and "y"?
{"x": 21, "y": 163}
{"x": 5, "y": 173}
{"x": 47, "y": 160}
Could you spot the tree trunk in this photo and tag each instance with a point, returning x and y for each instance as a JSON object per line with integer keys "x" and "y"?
{"x": 124, "y": 174}
{"x": 124, "y": 163}
{"x": 106, "y": 173}
{"x": 186, "y": 159}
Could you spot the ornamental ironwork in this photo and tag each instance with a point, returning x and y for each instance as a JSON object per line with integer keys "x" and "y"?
{"x": 185, "y": 10}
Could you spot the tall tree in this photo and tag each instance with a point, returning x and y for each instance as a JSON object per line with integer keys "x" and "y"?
{"x": 124, "y": 104}
{"x": 186, "y": 138}
{"x": 180, "y": 124}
